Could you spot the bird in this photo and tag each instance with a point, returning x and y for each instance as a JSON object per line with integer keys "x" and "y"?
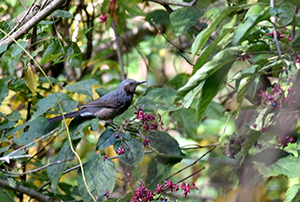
{"x": 108, "y": 106}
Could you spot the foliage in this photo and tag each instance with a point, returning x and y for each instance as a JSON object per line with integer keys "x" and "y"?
{"x": 217, "y": 119}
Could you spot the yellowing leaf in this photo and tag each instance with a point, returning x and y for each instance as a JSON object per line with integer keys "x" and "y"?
{"x": 31, "y": 79}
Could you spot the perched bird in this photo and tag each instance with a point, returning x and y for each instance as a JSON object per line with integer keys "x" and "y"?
{"x": 108, "y": 106}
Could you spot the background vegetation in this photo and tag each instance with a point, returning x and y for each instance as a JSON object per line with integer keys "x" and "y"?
{"x": 216, "y": 121}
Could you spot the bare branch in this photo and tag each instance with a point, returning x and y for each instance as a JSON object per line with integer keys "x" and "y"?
{"x": 30, "y": 192}
{"x": 7, "y": 158}
{"x": 175, "y": 3}
{"x": 31, "y": 143}
{"x": 33, "y": 21}
{"x": 273, "y": 21}
{"x": 118, "y": 50}
{"x": 37, "y": 169}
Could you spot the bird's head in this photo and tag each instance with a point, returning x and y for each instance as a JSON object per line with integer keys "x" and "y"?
{"x": 129, "y": 85}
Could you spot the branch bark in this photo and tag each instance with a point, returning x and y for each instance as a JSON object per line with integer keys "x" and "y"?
{"x": 30, "y": 192}
{"x": 175, "y": 3}
{"x": 33, "y": 21}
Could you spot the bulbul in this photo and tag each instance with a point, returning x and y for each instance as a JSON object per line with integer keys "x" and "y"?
{"x": 108, "y": 106}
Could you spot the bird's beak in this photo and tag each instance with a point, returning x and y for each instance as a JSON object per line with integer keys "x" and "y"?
{"x": 141, "y": 82}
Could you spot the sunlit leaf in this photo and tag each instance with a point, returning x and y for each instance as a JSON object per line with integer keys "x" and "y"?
{"x": 203, "y": 36}
{"x": 224, "y": 58}
{"x": 244, "y": 28}
{"x": 293, "y": 193}
{"x": 32, "y": 80}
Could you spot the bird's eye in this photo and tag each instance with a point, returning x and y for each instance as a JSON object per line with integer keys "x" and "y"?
{"x": 131, "y": 83}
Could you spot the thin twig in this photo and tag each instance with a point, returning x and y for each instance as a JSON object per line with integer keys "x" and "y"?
{"x": 42, "y": 148}
{"x": 197, "y": 171}
{"x": 273, "y": 21}
{"x": 7, "y": 158}
{"x": 119, "y": 53}
{"x": 30, "y": 192}
{"x": 191, "y": 163}
{"x": 51, "y": 7}
{"x": 5, "y": 192}
{"x": 31, "y": 143}
{"x": 37, "y": 169}
{"x": 19, "y": 21}
{"x": 180, "y": 49}
{"x": 175, "y": 3}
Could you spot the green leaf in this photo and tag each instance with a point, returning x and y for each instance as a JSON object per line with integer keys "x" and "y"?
{"x": 244, "y": 28}
{"x": 250, "y": 140}
{"x": 31, "y": 79}
{"x": 55, "y": 171}
{"x": 37, "y": 127}
{"x": 157, "y": 171}
{"x": 4, "y": 88}
{"x": 160, "y": 17}
{"x": 106, "y": 139}
{"x": 83, "y": 87}
{"x": 285, "y": 13}
{"x": 203, "y": 36}
{"x": 158, "y": 98}
{"x": 214, "y": 111}
{"x": 184, "y": 18}
{"x": 14, "y": 116}
{"x": 100, "y": 176}
{"x": 187, "y": 120}
{"x": 17, "y": 50}
{"x": 166, "y": 145}
{"x": 80, "y": 124}
{"x": 53, "y": 52}
{"x": 179, "y": 80}
{"x": 67, "y": 103}
{"x": 134, "y": 152}
{"x": 296, "y": 41}
{"x": 3, "y": 48}
{"x": 62, "y": 14}
{"x": 288, "y": 166}
{"x": 243, "y": 91}
{"x": 293, "y": 193}
{"x": 7, "y": 125}
{"x": 295, "y": 2}
{"x": 189, "y": 97}
{"x": 74, "y": 55}
{"x": 224, "y": 58}
{"x": 207, "y": 51}
{"x": 210, "y": 89}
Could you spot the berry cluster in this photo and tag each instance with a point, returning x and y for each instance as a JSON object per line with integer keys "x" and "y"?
{"x": 148, "y": 120}
{"x": 145, "y": 195}
{"x": 278, "y": 98}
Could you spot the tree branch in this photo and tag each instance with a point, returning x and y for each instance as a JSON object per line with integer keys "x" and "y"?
{"x": 119, "y": 53}
{"x": 27, "y": 191}
{"x": 176, "y": 3}
{"x": 33, "y": 21}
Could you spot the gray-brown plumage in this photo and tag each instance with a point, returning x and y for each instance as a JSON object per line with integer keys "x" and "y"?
{"x": 108, "y": 106}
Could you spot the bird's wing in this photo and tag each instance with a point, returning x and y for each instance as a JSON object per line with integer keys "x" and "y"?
{"x": 100, "y": 102}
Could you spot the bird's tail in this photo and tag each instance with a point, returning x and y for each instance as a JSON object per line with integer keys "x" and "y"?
{"x": 67, "y": 115}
